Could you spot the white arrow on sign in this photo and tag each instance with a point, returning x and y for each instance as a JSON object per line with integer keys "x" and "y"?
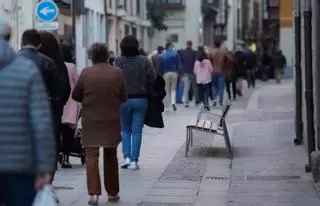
{"x": 46, "y": 10}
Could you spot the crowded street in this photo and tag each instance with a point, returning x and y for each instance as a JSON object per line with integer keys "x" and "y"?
{"x": 159, "y": 102}
{"x": 274, "y": 165}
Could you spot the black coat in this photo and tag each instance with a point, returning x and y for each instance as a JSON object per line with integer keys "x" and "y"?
{"x": 156, "y": 107}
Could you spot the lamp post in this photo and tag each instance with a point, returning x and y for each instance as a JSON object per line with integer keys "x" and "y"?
{"x": 316, "y": 15}
{"x": 298, "y": 75}
{"x": 307, "y": 14}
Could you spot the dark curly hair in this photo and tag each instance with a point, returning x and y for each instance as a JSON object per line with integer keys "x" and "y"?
{"x": 50, "y": 46}
{"x": 98, "y": 53}
{"x": 129, "y": 46}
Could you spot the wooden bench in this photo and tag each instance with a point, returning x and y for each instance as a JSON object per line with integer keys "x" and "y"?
{"x": 206, "y": 125}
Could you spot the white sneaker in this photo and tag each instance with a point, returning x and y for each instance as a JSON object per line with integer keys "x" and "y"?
{"x": 126, "y": 163}
{"x": 134, "y": 166}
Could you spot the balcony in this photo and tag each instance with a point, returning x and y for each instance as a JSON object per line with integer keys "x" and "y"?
{"x": 172, "y": 4}
{"x": 210, "y": 8}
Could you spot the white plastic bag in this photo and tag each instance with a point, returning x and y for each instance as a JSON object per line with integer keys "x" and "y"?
{"x": 46, "y": 197}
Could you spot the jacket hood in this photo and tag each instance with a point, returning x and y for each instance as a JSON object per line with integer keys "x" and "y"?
{"x": 6, "y": 53}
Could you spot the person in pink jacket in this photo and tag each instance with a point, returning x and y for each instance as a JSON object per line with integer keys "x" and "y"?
{"x": 203, "y": 70}
{"x": 70, "y": 113}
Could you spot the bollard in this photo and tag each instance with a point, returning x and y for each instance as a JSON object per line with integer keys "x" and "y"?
{"x": 298, "y": 75}
{"x": 307, "y": 14}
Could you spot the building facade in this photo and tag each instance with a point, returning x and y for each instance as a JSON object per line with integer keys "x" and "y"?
{"x": 188, "y": 20}
{"x": 127, "y": 17}
{"x": 19, "y": 13}
{"x": 108, "y": 22}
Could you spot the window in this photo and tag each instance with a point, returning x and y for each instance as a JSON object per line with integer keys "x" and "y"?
{"x": 126, "y": 30}
{"x": 138, "y": 9}
{"x": 273, "y": 3}
{"x": 125, "y": 5}
{"x": 134, "y": 32}
{"x": 174, "y": 38}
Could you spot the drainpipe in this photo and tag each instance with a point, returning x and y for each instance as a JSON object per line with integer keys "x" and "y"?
{"x": 73, "y": 13}
{"x": 315, "y": 166}
{"x": 106, "y": 22}
{"x": 317, "y": 61}
{"x": 307, "y": 14}
{"x": 298, "y": 75}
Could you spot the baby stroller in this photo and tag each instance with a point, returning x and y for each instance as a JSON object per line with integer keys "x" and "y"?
{"x": 78, "y": 149}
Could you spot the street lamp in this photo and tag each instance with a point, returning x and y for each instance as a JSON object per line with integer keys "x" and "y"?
{"x": 298, "y": 75}
{"x": 309, "y": 80}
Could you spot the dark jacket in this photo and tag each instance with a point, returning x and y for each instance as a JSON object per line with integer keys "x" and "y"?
{"x": 188, "y": 58}
{"x": 279, "y": 61}
{"x": 138, "y": 73}
{"x": 48, "y": 71}
{"x": 27, "y": 144}
{"x": 251, "y": 61}
{"x": 156, "y": 107}
{"x": 240, "y": 63}
{"x": 54, "y": 77}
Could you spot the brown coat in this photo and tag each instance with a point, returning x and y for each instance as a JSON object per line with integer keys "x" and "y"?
{"x": 101, "y": 90}
{"x": 218, "y": 58}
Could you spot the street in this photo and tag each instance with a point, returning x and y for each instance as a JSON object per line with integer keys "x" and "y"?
{"x": 266, "y": 167}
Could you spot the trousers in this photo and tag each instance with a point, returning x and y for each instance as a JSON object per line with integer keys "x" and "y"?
{"x": 110, "y": 167}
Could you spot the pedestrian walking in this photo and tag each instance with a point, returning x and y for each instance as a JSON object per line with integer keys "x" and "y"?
{"x": 203, "y": 72}
{"x": 278, "y": 63}
{"x": 70, "y": 112}
{"x": 27, "y": 145}
{"x": 251, "y": 65}
{"x": 51, "y": 48}
{"x": 240, "y": 65}
{"x": 31, "y": 43}
{"x": 101, "y": 90}
{"x": 139, "y": 77}
{"x": 142, "y": 52}
{"x": 156, "y": 56}
{"x": 188, "y": 58}
{"x": 170, "y": 67}
{"x": 231, "y": 78}
{"x": 218, "y": 58}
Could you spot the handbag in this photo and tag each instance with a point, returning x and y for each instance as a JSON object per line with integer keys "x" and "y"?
{"x": 46, "y": 197}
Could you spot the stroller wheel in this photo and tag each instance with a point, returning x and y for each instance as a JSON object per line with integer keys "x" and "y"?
{"x": 83, "y": 159}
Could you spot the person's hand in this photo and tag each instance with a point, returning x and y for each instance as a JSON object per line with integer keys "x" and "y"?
{"x": 42, "y": 181}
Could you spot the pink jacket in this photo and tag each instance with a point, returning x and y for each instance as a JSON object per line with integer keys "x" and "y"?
{"x": 70, "y": 110}
{"x": 203, "y": 71}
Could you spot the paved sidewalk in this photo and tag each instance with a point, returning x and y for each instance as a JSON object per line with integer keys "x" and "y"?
{"x": 267, "y": 168}
{"x": 166, "y": 176}
{"x": 202, "y": 177}
{"x": 158, "y": 148}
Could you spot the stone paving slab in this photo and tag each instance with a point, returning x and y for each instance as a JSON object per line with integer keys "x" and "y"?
{"x": 267, "y": 168}
{"x": 169, "y": 199}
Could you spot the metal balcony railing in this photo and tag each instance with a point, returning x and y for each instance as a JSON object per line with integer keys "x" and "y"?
{"x": 172, "y": 4}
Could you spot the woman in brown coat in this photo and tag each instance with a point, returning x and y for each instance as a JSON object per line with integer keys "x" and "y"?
{"x": 101, "y": 90}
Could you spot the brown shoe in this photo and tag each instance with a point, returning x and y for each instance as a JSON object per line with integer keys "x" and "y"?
{"x": 113, "y": 198}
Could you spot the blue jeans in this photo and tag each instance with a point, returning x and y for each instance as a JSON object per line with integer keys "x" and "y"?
{"x": 17, "y": 190}
{"x": 204, "y": 90}
{"x": 132, "y": 120}
{"x": 218, "y": 87}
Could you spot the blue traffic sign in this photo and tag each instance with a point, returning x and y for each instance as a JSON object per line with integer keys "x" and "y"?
{"x": 47, "y": 11}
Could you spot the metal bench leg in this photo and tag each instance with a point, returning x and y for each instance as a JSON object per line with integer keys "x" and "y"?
{"x": 187, "y": 141}
{"x": 226, "y": 138}
{"x": 191, "y": 138}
